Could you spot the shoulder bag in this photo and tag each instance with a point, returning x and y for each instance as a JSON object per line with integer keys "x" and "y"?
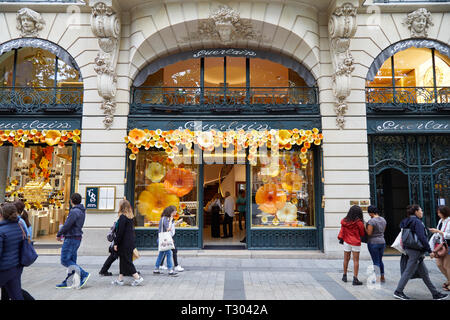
{"x": 165, "y": 241}
{"x": 410, "y": 240}
{"x": 112, "y": 233}
{"x": 441, "y": 249}
{"x": 27, "y": 254}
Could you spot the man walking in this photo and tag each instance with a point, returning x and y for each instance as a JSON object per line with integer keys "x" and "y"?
{"x": 71, "y": 230}
{"x": 228, "y": 216}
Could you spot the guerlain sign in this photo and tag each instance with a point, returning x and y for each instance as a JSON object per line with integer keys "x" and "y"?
{"x": 38, "y": 124}
{"x": 233, "y": 125}
{"x": 416, "y": 126}
{"x": 224, "y": 52}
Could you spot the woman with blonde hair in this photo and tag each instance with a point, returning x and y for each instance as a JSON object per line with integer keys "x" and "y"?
{"x": 124, "y": 244}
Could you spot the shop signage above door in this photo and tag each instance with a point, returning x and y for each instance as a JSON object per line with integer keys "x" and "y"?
{"x": 39, "y": 124}
{"x": 225, "y": 125}
{"x": 224, "y": 52}
{"x": 408, "y": 126}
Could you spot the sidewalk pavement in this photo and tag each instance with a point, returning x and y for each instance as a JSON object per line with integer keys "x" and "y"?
{"x": 228, "y": 275}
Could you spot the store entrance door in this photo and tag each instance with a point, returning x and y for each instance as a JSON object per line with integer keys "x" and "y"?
{"x": 224, "y": 183}
{"x": 393, "y": 198}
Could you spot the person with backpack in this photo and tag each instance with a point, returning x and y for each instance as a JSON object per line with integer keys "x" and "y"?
{"x": 414, "y": 257}
{"x": 113, "y": 255}
{"x": 352, "y": 229}
{"x": 72, "y": 233}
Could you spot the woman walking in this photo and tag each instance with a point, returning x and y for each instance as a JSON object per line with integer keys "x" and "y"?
{"x": 441, "y": 234}
{"x": 352, "y": 229}
{"x": 10, "y": 241}
{"x": 124, "y": 244}
{"x": 415, "y": 257}
{"x": 165, "y": 225}
{"x": 375, "y": 239}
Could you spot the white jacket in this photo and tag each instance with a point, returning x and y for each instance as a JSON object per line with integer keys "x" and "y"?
{"x": 445, "y": 228}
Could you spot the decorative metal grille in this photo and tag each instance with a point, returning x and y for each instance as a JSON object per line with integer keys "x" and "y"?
{"x": 424, "y": 159}
{"x": 220, "y": 99}
{"x": 408, "y": 99}
{"x": 41, "y": 99}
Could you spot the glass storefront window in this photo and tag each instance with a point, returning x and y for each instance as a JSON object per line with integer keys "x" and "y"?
{"x": 283, "y": 192}
{"x": 265, "y": 73}
{"x": 40, "y": 176}
{"x": 161, "y": 183}
{"x": 35, "y": 68}
{"x": 6, "y": 69}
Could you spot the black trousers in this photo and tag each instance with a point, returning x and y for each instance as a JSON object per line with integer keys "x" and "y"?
{"x": 126, "y": 266}
{"x": 113, "y": 256}
{"x": 242, "y": 217}
{"x": 227, "y": 222}
{"x": 26, "y": 295}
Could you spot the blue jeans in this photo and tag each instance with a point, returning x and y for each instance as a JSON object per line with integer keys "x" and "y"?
{"x": 69, "y": 255}
{"x": 376, "y": 251}
{"x": 162, "y": 254}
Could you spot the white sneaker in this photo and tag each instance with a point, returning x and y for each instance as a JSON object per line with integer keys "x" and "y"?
{"x": 137, "y": 282}
{"x": 179, "y": 268}
{"x": 163, "y": 267}
{"x": 118, "y": 282}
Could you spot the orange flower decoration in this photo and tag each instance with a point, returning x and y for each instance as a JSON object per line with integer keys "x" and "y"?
{"x": 52, "y": 137}
{"x": 284, "y": 136}
{"x": 154, "y": 199}
{"x": 136, "y": 136}
{"x": 270, "y": 198}
{"x": 179, "y": 181}
{"x": 291, "y": 182}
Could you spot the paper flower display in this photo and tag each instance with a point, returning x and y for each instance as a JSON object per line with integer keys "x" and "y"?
{"x": 155, "y": 172}
{"x": 52, "y": 137}
{"x": 154, "y": 199}
{"x": 291, "y": 182}
{"x": 136, "y": 136}
{"x": 288, "y": 213}
{"x": 179, "y": 181}
{"x": 270, "y": 198}
{"x": 205, "y": 139}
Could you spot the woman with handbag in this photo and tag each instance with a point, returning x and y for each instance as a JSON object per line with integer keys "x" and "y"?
{"x": 415, "y": 252}
{"x": 11, "y": 237}
{"x": 352, "y": 229}
{"x": 375, "y": 243}
{"x": 439, "y": 243}
{"x": 124, "y": 244}
{"x": 165, "y": 227}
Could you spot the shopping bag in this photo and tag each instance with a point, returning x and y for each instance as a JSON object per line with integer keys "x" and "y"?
{"x": 397, "y": 245}
{"x": 136, "y": 254}
{"x": 165, "y": 241}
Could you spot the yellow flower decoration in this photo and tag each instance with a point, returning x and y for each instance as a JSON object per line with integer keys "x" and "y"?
{"x": 291, "y": 182}
{"x": 288, "y": 213}
{"x": 52, "y": 137}
{"x": 155, "y": 172}
{"x": 154, "y": 199}
{"x": 136, "y": 136}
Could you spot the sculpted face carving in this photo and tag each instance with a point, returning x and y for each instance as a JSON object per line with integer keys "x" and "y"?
{"x": 418, "y": 23}
{"x": 29, "y": 22}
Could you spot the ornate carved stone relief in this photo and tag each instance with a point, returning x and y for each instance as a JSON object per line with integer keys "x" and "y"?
{"x": 341, "y": 27}
{"x": 224, "y": 24}
{"x": 105, "y": 25}
{"x": 418, "y": 23}
{"x": 29, "y": 22}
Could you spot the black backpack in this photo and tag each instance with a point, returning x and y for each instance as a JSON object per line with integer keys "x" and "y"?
{"x": 112, "y": 233}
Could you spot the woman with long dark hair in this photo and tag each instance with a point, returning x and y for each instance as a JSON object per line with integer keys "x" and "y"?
{"x": 414, "y": 258}
{"x": 352, "y": 229}
{"x": 124, "y": 244}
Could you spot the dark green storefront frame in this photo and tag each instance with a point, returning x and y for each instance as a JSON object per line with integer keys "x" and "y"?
{"x": 257, "y": 238}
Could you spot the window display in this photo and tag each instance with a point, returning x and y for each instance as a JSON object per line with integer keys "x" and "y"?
{"x": 41, "y": 177}
{"x": 161, "y": 183}
{"x": 283, "y": 191}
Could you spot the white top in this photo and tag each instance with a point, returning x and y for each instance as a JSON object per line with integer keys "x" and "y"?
{"x": 215, "y": 202}
{"x": 445, "y": 228}
{"x": 229, "y": 206}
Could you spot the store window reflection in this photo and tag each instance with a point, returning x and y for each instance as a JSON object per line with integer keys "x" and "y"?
{"x": 160, "y": 183}
{"x": 283, "y": 192}
{"x": 41, "y": 177}
{"x": 415, "y": 75}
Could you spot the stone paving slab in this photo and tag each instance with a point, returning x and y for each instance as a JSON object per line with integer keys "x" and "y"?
{"x": 215, "y": 278}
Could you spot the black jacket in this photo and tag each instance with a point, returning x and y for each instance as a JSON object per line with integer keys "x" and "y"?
{"x": 125, "y": 238}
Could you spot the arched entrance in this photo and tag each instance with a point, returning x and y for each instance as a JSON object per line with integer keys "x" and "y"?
{"x": 392, "y": 198}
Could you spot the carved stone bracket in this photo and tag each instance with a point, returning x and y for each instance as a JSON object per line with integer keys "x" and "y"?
{"x": 105, "y": 25}
{"x": 341, "y": 27}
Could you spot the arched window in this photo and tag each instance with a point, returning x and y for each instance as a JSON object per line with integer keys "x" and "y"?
{"x": 33, "y": 79}
{"x": 416, "y": 79}
{"x": 223, "y": 84}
